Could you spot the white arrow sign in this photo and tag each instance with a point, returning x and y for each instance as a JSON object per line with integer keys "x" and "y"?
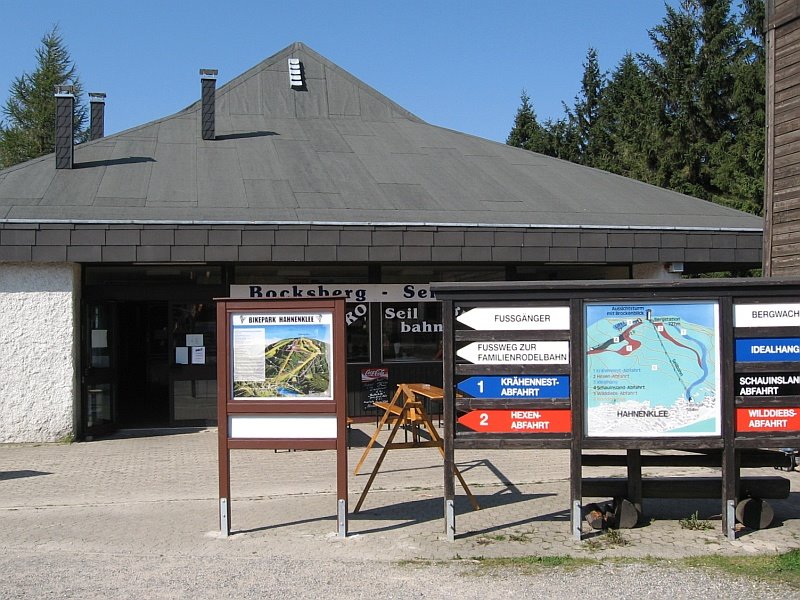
{"x": 516, "y": 353}
{"x": 518, "y": 318}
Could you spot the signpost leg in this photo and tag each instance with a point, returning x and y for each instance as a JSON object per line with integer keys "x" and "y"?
{"x": 341, "y": 518}
{"x": 224, "y": 517}
{"x": 450, "y": 517}
{"x": 634, "y": 460}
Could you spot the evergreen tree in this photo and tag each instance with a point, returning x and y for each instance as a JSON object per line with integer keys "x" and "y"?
{"x": 627, "y": 124}
{"x": 526, "y": 132}
{"x": 696, "y": 44}
{"x": 737, "y": 159}
{"x": 29, "y": 129}
{"x": 586, "y": 112}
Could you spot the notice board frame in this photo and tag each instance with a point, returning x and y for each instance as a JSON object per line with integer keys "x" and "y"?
{"x": 726, "y": 293}
{"x": 313, "y": 409}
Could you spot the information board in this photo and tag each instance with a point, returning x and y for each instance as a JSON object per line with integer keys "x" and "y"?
{"x": 281, "y": 383}
{"x": 282, "y": 355}
{"x": 653, "y": 370}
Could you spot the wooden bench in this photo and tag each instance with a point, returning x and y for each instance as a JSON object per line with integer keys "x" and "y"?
{"x": 686, "y": 487}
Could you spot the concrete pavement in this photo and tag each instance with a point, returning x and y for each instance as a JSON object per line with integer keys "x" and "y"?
{"x": 157, "y": 496}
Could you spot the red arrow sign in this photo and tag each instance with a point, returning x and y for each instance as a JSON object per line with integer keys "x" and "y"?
{"x": 518, "y": 421}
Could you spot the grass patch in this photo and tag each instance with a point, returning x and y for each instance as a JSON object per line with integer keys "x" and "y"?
{"x": 695, "y": 522}
{"x": 776, "y": 568}
{"x": 773, "y": 568}
{"x": 533, "y": 564}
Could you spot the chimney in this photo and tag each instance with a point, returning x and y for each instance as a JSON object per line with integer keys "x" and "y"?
{"x": 97, "y": 115}
{"x": 208, "y": 85}
{"x": 65, "y": 142}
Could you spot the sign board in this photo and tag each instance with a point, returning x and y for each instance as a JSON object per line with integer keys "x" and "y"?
{"x": 768, "y": 349}
{"x": 518, "y": 421}
{"x": 516, "y": 387}
{"x": 768, "y": 384}
{"x": 767, "y": 315}
{"x": 359, "y": 292}
{"x": 374, "y": 385}
{"x": 285, "y": 355}
{"x": 653, "y": 370}
{"x": 531, "y": 352}
{"x": 281, "y": 372}
{"x": 641, "y": 365}
{"x": 768, "y": 419}
{"x": 518, "y": 318}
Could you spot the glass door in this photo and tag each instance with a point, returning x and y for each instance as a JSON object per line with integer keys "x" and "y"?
{"x": 193, "y": 363}
{"x": 99, "y": 369}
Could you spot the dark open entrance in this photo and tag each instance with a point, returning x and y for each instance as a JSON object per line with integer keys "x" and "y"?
{"x": 143, "y": 392}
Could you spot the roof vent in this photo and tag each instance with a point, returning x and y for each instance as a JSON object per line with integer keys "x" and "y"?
{"x": 97, "y": 117}
{"x": 296, "y": 79}
{"x": 208, "y": 90}
{"x": 65, "y": 111}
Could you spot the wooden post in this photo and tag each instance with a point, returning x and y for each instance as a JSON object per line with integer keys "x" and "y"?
{"x": 577, "y": 326}
{"x": 448, "y": 358}
{"x": 634, "y": 463}
{"x": 728, "y": 407}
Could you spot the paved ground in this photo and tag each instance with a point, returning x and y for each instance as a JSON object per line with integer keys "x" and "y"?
{"x": 137, "y": 517}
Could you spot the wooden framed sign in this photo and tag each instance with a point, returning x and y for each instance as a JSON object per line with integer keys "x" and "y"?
{"x": 710, "y": 365}
{"x": 281, "y": 383}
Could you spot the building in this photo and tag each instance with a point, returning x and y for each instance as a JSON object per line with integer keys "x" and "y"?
{"x": 782, "y": 190}
{"x": 295, "y": 178}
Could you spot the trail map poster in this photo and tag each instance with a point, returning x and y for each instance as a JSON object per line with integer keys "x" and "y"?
{"x": 282, "y": 355}
{"x": 653, "y": 370}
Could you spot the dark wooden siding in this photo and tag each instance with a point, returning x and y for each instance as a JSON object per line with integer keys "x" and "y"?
{"x": 782, "y": 201}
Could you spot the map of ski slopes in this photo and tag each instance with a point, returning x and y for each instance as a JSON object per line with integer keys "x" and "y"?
{"x": 652, "y": 370}
{"x": 282, "y": 356}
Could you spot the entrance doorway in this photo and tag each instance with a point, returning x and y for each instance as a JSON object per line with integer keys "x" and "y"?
{"x": 143, "y": 364}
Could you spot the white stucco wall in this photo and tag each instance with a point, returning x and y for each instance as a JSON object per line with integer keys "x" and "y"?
{"x": 39, "y": 327}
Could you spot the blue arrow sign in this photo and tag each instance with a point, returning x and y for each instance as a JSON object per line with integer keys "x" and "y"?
{"x": 517, "y": 387}
{"x": 767, "y": 349}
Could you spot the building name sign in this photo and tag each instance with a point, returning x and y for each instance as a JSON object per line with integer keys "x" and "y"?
{"x": 383, "y": 292}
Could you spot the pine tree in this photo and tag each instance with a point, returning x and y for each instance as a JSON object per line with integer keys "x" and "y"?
{"x": 586, "y": 112}
{"x": 527, "y": 132}
{"x": 737, "y": 159}
{"x": 627, "y": 124}
{"x": 696, "y": 44}
{"x": 30, "y": 110}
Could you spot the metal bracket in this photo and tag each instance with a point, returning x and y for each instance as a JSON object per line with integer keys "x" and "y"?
{"x": 576, "y": 520}
{"x": 730, "y": 509}
{"x": 450, "y": 520}
{"x": 342, "y": 518}
{"x": 224, "y": 526}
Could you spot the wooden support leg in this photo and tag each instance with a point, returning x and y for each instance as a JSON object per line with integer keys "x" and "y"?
{"x": 380, "y": 461}
{"x": 374, "y": 437}
{"x": 634, "y": 460}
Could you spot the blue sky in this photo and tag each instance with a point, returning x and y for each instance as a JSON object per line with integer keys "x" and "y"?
{"x": 457, "y": 64}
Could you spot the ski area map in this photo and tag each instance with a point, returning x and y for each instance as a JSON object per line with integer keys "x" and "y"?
{"x": 652, "y": 370}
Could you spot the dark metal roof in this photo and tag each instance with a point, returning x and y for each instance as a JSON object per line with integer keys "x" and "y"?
{"x": 335, "y": 152}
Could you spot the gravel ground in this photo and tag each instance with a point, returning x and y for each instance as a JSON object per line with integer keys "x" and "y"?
{"x": 48, "y": 575}
{"x": 137, "y": 518}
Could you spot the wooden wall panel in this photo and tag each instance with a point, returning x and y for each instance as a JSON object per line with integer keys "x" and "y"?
{"x": 782, "y": 190}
